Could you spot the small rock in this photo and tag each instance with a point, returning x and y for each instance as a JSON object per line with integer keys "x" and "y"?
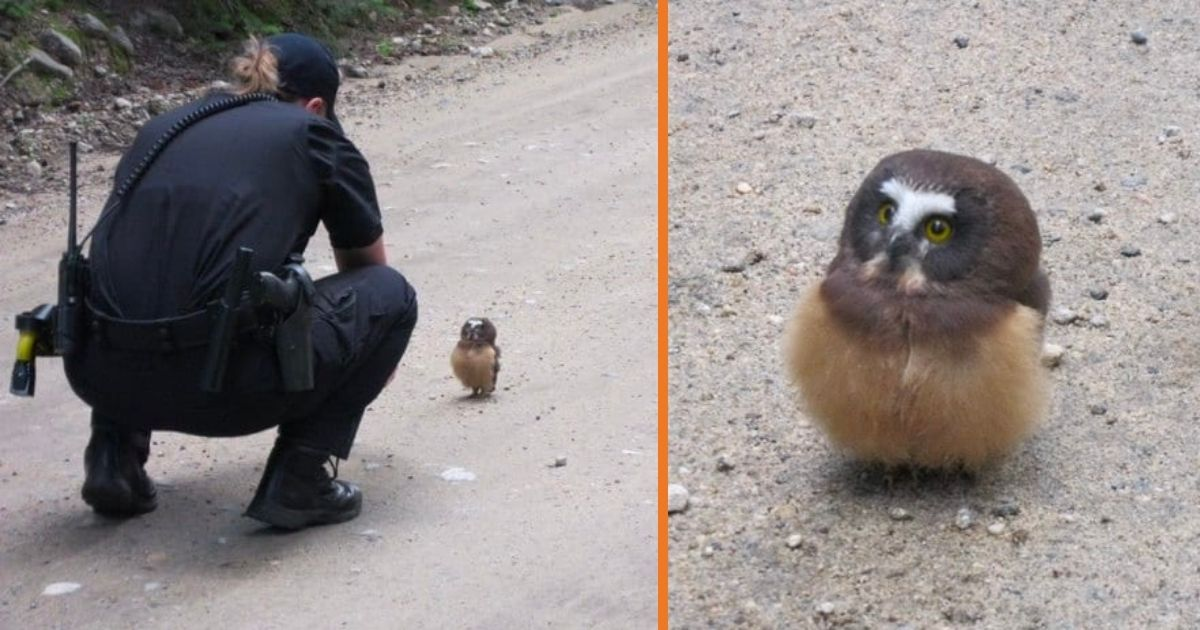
{"x": 34, "y": 168}
{"x": 1134, "y": 182}
{"x": 1097, "y": 215}
{"x": 724, "y": 464}
{"x": 158, "y": 105}
{"x": 355, "y": 71}
{"x": 91, "y": 25}
{"x": 1098, "y": 409}
{"x": 682, "y": 57}
{"x": 962, "y": 41}
{"x": 483, "y": 52}
{"x": 61, "y": 588}
{"x": 1130, "y": 251}
{"x": 744, "y": 188}
{"x": 1006, "y": 508}
{"x": 899, "y": 514}
{"x": 677, "y": 498}
{"x": 1052, "y": 355}
{"x": 122, "y": 104}
{"x": 151, "y": 586}
{"x": 806, "y": 121}
{"x": 1098, "y": 293}
{"x": 1167, "y": 218}
{"x": 1063, "y": 316}
{"x": 775, "y": 320}
{"x": 996, "y": 528}
{"x": 1098, "y": 321}
{"x": 825, "y": 609}
{"x": 964, "y": 519}
{"x": 157, "y": 20}
{"x": 61, "y": 47}
{"x": 560, "y": 461}
{"x": 101, "y": 71}
{"x": 479, "y": 5}
{"x": 1139, "y": 38}
{"x": 119, "y": 38}
{"x": 458, "y": 474}
{"x": 44, "y": 64}
{"x": 794, "y": 541}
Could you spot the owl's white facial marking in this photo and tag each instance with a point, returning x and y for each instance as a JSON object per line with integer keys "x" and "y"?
{"x": 913, "y": 204}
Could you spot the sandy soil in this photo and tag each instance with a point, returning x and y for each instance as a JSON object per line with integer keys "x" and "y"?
{"x": 1095, "y": 521}
{"x": 517, "y": 188}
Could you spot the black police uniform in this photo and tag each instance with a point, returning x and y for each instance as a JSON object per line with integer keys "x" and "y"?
{"x": 261, "y": 175}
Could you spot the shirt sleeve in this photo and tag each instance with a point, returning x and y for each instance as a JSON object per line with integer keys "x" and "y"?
{"x": 349, "y": 208}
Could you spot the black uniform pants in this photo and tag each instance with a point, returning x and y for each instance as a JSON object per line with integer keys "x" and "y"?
{"x": 362, "y": 322}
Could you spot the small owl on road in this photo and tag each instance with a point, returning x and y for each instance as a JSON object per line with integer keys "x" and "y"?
{"x": 922, "y": 344}
{"x": 476, "y": 357}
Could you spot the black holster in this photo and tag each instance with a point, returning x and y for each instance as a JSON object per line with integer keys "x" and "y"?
{"x": 289, "y": 293}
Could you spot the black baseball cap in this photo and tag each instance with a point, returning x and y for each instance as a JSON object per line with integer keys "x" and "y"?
{"x": 306, "y": 69}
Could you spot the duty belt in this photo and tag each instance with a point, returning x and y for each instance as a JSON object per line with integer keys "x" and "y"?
{"x": 169, "y": 334}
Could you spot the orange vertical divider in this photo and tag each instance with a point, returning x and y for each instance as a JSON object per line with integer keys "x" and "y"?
{"x": 663, "y": 225}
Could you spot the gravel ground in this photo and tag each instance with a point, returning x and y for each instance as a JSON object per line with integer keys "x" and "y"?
{"x": 778, "y": 109}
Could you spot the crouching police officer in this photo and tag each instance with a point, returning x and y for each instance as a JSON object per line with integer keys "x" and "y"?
{"x": 255, "y": 172}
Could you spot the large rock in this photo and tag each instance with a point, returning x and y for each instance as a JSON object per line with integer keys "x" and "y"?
{"x": 61, "y": 47}
{"x": 44, "y": 64}
{"x": 91, "y": 25}
{"x": 117, "y": 36}
{"x": 157, "y": 21}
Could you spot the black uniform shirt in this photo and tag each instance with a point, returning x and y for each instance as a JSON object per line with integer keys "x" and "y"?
{"x": 260, "y": 175}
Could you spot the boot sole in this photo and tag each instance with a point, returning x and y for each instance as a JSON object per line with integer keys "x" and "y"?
{"x": 110, "y": 501}
{"x": 286, "y": 518}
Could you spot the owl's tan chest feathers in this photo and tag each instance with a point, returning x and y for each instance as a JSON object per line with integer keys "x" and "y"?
{"x": 927, "y": 404}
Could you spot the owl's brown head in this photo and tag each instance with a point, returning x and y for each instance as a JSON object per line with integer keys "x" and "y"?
{"x": 478, "y": 330}
{"x": 938, "y": 240}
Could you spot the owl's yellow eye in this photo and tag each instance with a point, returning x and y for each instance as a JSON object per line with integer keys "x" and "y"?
{"x": 938, "y": 230}
{"x": 886, "y": 211}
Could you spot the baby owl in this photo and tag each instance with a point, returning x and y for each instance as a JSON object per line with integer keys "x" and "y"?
{"x": 921, "y": 345}
{"x": 476, "y": 358}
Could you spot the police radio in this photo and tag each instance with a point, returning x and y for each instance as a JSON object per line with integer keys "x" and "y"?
{"x": 54, "y": 330}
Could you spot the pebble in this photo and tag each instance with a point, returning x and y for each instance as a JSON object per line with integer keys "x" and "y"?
{"x": 61, "y": 588}
{"x": 122, "y": 104}
{"x": 1139, "y": 38}
{"x": 483, "y": 52}
{"x": 964, "y": 519}
{"x": 1098, "y": 410}
{"x": 724, "y": 464}
{"x": 1171, "y": 131}
{"x": 1130, "y": 251}
{"x": 825, "y": 609}
{"x": 458, "y": 474}
{"x": 996, "y": 528}
{"x": 807, "y": 121}
{"x": 1134, "y": 181}
{"x": 1006, "y": 508}
{"x": 677, "y": 498}
{"x": 560, "y": 461}
{"x": 1096, "y": 215}
{"x": 34, "y": 168}
{"x": 1167, "y": 218}
{"x": 1052, "y": 355}
{"x": 962, "y": 41}
{"x": 899, "y": 514}
{"x": 1098, "y": 293}
{"x": 794, "y": 541}
{"x": 744, "y": 188}
{"x": 1063, "y": 316}
{"x": 775, "y": 320}
{"x": 1098, "y": 321}
{"x": 682, "y": 57}
{"x": 151, "y": 586}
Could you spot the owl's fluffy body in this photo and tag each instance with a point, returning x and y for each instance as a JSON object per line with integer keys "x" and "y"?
{"x": 922, "y": 350}
{"x": 928, "y": 404}
{"x": 475, "y": 365}
{"x": 476, "y": 357}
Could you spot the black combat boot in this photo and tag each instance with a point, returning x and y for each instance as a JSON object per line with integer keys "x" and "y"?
{"x": 114, "y": 461}
{"x": 296, "y": 491}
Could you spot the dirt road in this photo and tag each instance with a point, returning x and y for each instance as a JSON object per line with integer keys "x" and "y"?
{"x": 1095, "y": 523}
{"x": 519, "y": 187}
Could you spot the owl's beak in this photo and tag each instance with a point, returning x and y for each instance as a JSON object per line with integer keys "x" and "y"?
{"x": 899, "y": 249}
